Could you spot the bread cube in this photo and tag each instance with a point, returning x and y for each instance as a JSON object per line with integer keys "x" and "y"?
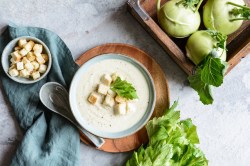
{"x": 38, "y": 48}
{"x": 23, "y": 52}
{"x": 111, "y": 93}
{"x": 106, "y": 79}
{"x": 120, "y": 99}
{"x": 120, "y": 109}
{"x": 17, "y": 48}
{"x": 24, "y": 73}
{"x": 13, "y": 72}
{"x": 109, "y": 101}
{"x": 93, "y": 97}
{"x": 12, "y": 61}
{"x": 114, "y": 76}
{"x": 28, "y": 46}
{"x": 130, "y": 107}
{"x": 35, "y": 75}
{"x": 22, "y": 42}
{"x": 37, "y": 54}
{"x": 40, "y": 59}
{"x": 42, "y": 68}
{"x": 25, "y": 60}
{"x": 13, "y": 66}
{"x": 31, "y": 56}
{"x": 35, "y": 65}
{"x": 19, "y": 66}
{"x": 16, "y": 56}
{"x": 102, "y": 89}
{"x": 29, "y": 67}
{"x": 45, "y": 57}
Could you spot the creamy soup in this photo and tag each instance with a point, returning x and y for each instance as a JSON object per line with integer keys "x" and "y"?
{"x": 101, "y": 117}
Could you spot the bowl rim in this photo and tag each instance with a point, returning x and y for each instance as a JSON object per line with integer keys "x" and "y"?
{"x": 25, "y": 80}
{"x": 145, "y": 117}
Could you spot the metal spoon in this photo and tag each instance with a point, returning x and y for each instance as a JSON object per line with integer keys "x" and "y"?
{"x": 55, "y": 97}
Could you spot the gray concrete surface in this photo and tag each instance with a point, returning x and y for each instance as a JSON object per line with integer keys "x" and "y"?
{"x": 224, "y": 127}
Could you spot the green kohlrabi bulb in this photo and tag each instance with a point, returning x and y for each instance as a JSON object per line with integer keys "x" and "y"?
{"x": 177, "y": 20}
{"x": 217, "y": 16}
{"x": 200, "y": 44}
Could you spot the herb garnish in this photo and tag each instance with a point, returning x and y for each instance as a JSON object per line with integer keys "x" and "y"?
{"x": 210, "y": 71}
{"x": 124, "y": 89}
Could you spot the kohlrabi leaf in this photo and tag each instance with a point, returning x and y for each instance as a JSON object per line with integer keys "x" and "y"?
{"x": 192, "y": 4}
{"x": 219, "y": 37}
{"x": 203, "y": 89}
{"x": 212, "y": 71}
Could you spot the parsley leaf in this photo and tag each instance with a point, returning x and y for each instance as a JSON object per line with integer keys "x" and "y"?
{"x": 209, "y": 72}
{"x": 124, "y": 89}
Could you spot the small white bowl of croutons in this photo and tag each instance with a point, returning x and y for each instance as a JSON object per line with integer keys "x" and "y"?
{"x": 26, "y": 59}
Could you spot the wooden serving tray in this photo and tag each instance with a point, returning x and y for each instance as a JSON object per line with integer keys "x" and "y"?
{"x": 238, "y": 43}
{"x": 161, "y": 86}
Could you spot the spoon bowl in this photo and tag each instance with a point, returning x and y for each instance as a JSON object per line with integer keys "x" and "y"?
{"x": 55, "y": 97}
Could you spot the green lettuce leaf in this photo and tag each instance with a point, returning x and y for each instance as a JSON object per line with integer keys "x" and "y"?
{"x": 171, "y": 143}
{"x": 151, "y": 157}
{"x": 190, "y": 131}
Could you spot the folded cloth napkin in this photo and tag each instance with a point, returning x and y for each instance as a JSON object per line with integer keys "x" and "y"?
{"x": 48, "y": 138}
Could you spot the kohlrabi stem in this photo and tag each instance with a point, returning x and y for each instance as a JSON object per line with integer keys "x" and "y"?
{"x": 178, "y": 3}
{"x": 222, "y": 53}
{"x": 198, "y": 6}
{"x": 237, "y": 19}
{"x": 234, "y": 4}
{"x": 239, "y": 10}
{"x": 158, "y": 5}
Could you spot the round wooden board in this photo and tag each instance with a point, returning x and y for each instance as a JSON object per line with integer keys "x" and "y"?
{"x": 162, "y": 93}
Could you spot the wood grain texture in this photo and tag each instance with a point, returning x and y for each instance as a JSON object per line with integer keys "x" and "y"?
{"x": 237, "y": 43}
{"x": 162, "y": 93}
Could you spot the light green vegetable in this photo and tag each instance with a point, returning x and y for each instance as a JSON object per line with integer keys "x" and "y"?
{"x": 207, "y": 50}
{"x": 171, "y": 143}
{"x": 201, "y": 43}
{"x": 179, "y": 18}
{"x": 209, "y": 73}
{"x": 124, "y": 89}
{"x": 225, "y": 16}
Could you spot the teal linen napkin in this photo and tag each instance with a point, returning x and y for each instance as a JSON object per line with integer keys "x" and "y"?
{"x": 49, "y": 139}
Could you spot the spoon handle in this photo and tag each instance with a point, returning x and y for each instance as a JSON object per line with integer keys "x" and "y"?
{"x": 55, "y": 97}
{"x": 59, "y": 100}
{"x": 97, "y": 141}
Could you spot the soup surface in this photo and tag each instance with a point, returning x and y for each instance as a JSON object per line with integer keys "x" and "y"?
{"x": 101, "y": 117}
